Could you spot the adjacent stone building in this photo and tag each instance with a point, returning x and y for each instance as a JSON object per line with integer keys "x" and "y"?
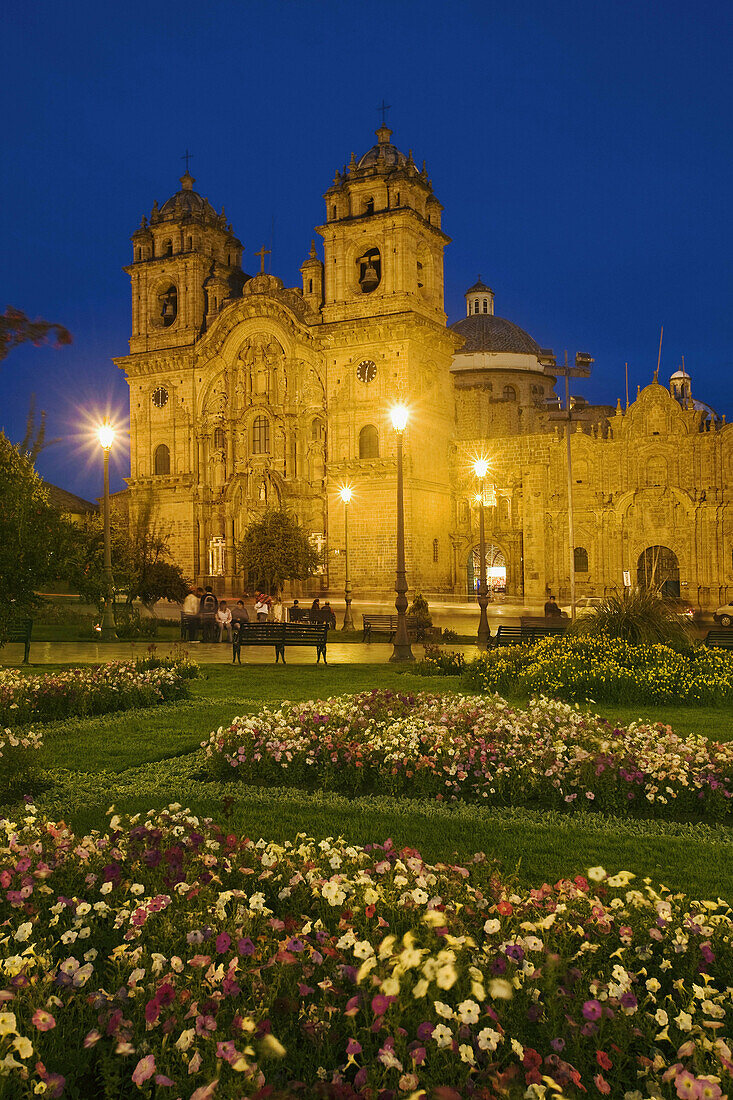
{"x": 245, "y": 393}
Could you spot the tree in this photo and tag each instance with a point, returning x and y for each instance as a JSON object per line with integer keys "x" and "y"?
{"x": 275, "y": 549}
{"x": 140, "y": 561}
{"x": 35, "y": 541}
{"x": 16, "y": 328}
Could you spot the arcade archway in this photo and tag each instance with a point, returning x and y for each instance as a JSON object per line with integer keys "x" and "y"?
{"x": 495, "y": 571}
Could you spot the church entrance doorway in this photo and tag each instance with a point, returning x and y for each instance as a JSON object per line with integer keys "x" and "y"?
{"x": 658, "y": 568}
{"x": 495, "y": 571}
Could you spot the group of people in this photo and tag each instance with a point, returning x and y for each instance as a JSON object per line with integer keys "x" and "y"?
{"x": 215, "y": 619}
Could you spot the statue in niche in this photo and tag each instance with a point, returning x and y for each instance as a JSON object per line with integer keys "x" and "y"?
{"x": 217, "y": 401}
{"x": 261, "y": 360}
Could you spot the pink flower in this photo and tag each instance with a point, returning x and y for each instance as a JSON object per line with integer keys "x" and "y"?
{"x": 223, "y": 943}
{"x": 687, "y": 1086}
{"x": 592, "y": 1010}
{"x": 380, "y": 1004}
{"x": 43, "y": 1020}
{"x": 205, "y": 1092}
{"x": 352, "y": 1047}
{"x": 143, "y": 1070}
{"x": 601, "y": 1084}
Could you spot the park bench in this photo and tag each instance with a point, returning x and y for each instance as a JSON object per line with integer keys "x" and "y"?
{"x": 509, "y": 635}
{"x": 387, "y": 624}
{"x": 530, "y": 630}
{"x": 719, "y": 639}
{"x": 20, "y": 631}
{"x": 281, "y": 635}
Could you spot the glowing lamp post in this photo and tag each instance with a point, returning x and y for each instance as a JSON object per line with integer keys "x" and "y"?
{"x": 106, "y": 435}
{"x": 480, "y": 468}
{"x": 401, "y": 650}
{"x": 345, "y": 494}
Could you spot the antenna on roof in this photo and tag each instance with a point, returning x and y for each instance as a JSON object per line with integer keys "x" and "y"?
{"x": 627, "y": 384}
{"x": 659, "y": 357}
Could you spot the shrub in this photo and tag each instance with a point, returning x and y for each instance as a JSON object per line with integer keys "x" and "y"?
{"x": 166, "y": 954}
{"x": 449, "y": 635}
{"x": 129, "y": 623}
{"x": 420, "y": 612}
{"x": 439, "y": 662}
{"x": 599, "y": 670}
{"x": 640, "y": 616}
{"x": 479, "y": 750}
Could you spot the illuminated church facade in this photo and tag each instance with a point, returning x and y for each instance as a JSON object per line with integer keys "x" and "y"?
{"x": 245, "y": 393}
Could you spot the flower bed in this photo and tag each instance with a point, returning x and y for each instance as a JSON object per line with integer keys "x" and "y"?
{"x": 168, "y": 955}
{"x": 477, "y": 749}
{"x": 93, "y": 689}
{"x": 608, "y": 671}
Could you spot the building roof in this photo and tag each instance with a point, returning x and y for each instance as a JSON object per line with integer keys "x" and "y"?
{"x": 485, "y": 332}
{"x": 68, "y": 503}
{"x": 478, "y": 287}
{"x": 186, "y": 202}
{"x": 384, "y": 153}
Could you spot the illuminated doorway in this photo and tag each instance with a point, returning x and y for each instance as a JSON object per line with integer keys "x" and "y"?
{"x": 495, "y": 571}
{"x": 658, "y": 568}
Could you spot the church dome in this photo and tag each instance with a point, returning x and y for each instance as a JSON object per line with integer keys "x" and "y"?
{"x": 186, "y": 203}
{"x": 486, "y": 332}
{"x": 384, "y": 153}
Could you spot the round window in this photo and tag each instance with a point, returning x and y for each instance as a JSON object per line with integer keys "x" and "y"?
{"x": 160, "y": 397}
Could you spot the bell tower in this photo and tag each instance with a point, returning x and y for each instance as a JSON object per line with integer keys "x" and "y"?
{"x": 186, "y": 263}
{"x": 383, "y": 244}
{"x": 386, "y": 342}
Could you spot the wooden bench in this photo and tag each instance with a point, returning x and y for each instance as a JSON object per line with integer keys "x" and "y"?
{"x": 387, "y": 624}
{"x": 509, "y": 635}
{"x": 527, "y": 633}
{"x": 721, "y": 638}
{"x": 534, "y": 629}
{"x": 20, "y": 631}
{"x": 281, "y": 635}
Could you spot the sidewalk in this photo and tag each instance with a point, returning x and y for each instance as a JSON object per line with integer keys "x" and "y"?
{"x": 85, "y": 653}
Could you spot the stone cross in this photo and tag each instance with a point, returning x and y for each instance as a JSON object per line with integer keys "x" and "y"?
{"x": 262, "y": 253}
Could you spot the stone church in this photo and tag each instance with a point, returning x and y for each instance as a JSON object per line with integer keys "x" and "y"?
{"x": 245, "y": 393}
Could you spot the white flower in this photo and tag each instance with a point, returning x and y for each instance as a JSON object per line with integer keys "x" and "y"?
{"x": 23, "y": 932}
{"x": 683, "y": 1021}
{"x": 468, "y": 1012}
{"x": 184, "y": 1040}
{"x": 492, "y": 926}
{"x": 466, "y": 1053}
{"x": 488, "y": 1039}
{"x": 443, "y": 1010}
{"x": 443, "y": 1035}
{"x": 596, "y": 874}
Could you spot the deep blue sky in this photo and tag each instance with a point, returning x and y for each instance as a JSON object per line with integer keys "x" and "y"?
{"x": 582, "y": 152}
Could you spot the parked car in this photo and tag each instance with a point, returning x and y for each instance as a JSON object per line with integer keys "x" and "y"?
{"x": 584, "y": 606}
{"x": 724, "y": 615}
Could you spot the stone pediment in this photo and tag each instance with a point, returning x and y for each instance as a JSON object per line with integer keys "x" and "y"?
{"x": 284, "y": 307}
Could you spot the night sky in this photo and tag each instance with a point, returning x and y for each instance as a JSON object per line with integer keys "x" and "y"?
{"x": 582, "y": 152}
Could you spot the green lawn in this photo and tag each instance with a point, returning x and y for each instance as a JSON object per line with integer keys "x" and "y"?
{"x": 142, "y": 759}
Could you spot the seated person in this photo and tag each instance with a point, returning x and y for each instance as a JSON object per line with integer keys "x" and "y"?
{"x": 207, "y": 614}
{"x": 329, "y": 615}
{"x": 224, "y": 620}
{"x": 240, "y": 613}
{"x": 552, "y": 611}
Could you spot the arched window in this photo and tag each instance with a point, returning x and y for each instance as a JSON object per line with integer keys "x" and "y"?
{"x": 435, "y": 549}
{"x": 368, "y": 442}
{"x": 509, "y": 393}
{"x": 580, "y": 554}
{"x": 333, "y": 213}
{"x": 138, "y": 253}
{"x": 261, "y": 436}
{"x": 310, "y": 286}
{"x": 169, "y": 306}
{"x": 475, "y": 305}
{"x": 162, "y": 459}
{"x": 167, "y": 248}
{"x": 369, "y": 206}
{"x": 370, "y": 270}
{"x": 219, "y": 439}
{"x": 189, "y": 243}
{"x": 486, "y": 305}
{"x": 318, "y": 430}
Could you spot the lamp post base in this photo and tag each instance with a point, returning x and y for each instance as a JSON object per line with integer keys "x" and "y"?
{"x": 348, "y": 618}
{"x": 402, "y": 651}
{"x": 109, "y": 630}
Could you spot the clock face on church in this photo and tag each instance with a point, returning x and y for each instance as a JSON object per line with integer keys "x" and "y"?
{"x": 366, "y": 371}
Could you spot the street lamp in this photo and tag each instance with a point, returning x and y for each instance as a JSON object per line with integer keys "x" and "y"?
{"x": 345, "y": 494}
{"x": 106, "y": 435}
{"x": 480, "y": 468}
{"x": 401, "y": 650}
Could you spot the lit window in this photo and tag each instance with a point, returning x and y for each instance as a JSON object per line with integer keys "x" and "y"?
{"x": 510, "y": 394}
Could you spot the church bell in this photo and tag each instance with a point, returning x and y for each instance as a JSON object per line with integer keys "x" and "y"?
{"x": 369, "y": 279}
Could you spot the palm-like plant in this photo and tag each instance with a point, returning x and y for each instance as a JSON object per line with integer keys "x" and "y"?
{"x": 638, "y": 615}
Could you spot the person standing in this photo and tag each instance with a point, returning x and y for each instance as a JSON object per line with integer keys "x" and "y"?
{"x": 261, "y": 608}
{"x": 277, "y": 609}
{"x": 190, "y": 614}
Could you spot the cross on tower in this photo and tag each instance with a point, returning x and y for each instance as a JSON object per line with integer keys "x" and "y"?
{"x": 187, "y": 157}
{"x": 262, "y": 253}
{"x": 384, "y": 108}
